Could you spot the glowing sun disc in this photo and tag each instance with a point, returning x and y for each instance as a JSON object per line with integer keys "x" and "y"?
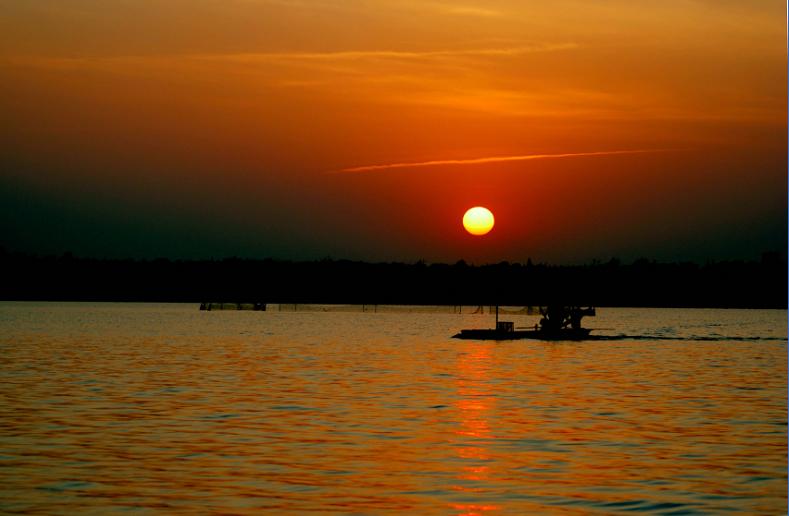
{"x": 478, "y": 220}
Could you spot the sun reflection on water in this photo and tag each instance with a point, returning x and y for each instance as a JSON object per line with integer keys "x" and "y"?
{"x": 475, "y": 401}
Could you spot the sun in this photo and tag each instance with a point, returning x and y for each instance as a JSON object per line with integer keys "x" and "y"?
{"x": 478, "y": 221}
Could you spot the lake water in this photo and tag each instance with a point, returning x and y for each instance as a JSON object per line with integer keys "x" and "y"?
{"x": 163, "y": 409}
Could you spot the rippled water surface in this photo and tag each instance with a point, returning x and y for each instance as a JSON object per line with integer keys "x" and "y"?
{"x": 162, "y": 408}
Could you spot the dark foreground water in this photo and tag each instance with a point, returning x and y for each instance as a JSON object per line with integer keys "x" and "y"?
{"x": 162, "y": 408}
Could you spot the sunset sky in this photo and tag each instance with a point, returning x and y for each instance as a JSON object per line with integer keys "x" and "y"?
{"x": 365, "y": 129}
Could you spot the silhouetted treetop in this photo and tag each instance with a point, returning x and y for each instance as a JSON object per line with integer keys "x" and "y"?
{"x": 757, "y": 284}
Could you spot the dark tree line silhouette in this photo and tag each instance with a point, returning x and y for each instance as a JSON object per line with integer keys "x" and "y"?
{"x": 725, "y": 284}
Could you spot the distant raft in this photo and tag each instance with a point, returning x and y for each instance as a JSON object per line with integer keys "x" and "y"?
{"x": 260, "y": 307}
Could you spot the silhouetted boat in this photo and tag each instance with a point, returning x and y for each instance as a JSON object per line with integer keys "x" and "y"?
{"x": 497, "y": 334}
{"x": 558, "y": 323}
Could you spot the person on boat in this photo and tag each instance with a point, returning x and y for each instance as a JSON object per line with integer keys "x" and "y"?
{"x": 575, "y": 317}
{"x": 557, "y": 318}
{"x": 553, "y": 317}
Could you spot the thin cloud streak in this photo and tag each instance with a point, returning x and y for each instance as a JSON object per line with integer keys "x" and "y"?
{"x": 342, "y": 55}
{"x": 274, "y": 57}
{"x": 493, "y": 159}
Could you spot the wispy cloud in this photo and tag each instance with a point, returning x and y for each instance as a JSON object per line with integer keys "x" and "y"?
{"x": 392, "y": 54}
{"x": 492, "y": 159}
{"x": 469, "y": 10}
{"x": 287, "y": 56}
{"x": 409, "y": 6}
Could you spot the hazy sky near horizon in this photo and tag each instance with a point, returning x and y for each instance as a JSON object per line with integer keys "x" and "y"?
{"x": 364, "y": 129}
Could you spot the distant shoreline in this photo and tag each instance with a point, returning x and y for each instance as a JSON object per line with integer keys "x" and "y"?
{"x": 197, "y": 305}
{"x": 643, "y": 283}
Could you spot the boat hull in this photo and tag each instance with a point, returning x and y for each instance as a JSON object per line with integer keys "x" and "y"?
{"x": 490, "y": 334}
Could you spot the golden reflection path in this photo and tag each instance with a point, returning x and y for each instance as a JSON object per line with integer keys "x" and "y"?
{"x": 475, "y": 401}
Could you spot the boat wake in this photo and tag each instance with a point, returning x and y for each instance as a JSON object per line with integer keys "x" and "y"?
{"x": 715, "y": 338}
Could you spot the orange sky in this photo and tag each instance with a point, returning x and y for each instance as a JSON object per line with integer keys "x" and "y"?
{"x": 264, "y": 127}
